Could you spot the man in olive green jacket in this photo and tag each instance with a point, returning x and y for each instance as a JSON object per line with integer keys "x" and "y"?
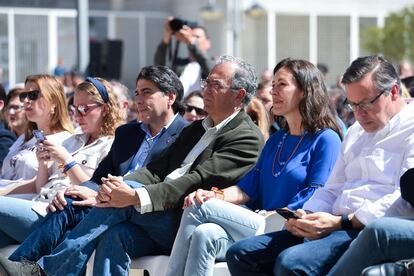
{"x": 146, "y": 205}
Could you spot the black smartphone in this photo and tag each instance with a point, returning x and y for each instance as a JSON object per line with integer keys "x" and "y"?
{"x": 286, "y": 213}
{"x": 39, "y": 136}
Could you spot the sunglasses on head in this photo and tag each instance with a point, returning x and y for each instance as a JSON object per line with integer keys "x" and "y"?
{"x": 83, "y": 109}
{"x": 199, "y": 111}
{"x": 31, "y": 95}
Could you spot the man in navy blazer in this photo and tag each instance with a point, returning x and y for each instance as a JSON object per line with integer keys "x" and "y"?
{"x": 157, "y": 97}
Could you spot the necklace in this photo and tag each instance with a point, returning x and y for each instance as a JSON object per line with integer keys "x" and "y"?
{"x": 279, "y": 153}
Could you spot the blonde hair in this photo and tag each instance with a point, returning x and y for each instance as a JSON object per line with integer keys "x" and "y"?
{"x": 259, "y": 115}
{"x": 113, "y": 117}
{"x": 53, "y": 93}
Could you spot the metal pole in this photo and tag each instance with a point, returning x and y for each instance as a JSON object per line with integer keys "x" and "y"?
{"x": 83, "y": 34}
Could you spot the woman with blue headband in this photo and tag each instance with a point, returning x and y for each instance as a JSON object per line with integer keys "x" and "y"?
{"x": 97, "y": 113}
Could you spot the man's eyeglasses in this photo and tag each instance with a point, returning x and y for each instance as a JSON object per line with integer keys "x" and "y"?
{"x": 83, "y": 109}
{"x": 366, "y": 106}
{"x": 31, "y": 95}
{"x": 15, "y": 107}
{"x": 199, "y": 111}
{"x": 212, "y": 84}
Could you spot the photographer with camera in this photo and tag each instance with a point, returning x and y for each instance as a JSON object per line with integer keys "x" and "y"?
{"x": 194, "y": 67}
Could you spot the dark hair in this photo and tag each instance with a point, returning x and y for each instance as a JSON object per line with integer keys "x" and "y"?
{"x": 195, "y": 93}
{"x": 202, "y": 28}
{"x": 384, "y": 75}
{"x": 15, "y": 92}
{"x": 244, "y": 76}
{"x": 3, "y": 94}
{"x": 166, "y": 80}
{"x": 4, "y": 99}
{"x": 315, "y": 105}
{"x": 409, "y": 84}
{"x": 323, "y": 68}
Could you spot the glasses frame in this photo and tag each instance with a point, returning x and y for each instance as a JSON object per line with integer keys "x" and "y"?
{"x": 366, "y": 106}
{"x": 83, "y": 109}
{"x": 15, "y": 107}
{"x": 206, "y": 83}
{"x": 32, "y": 95}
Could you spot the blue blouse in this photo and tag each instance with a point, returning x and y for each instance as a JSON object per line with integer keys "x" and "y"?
{"x": 302, "y": 164}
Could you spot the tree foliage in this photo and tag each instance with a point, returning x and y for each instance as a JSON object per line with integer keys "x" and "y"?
{"x": 395, "y": 41}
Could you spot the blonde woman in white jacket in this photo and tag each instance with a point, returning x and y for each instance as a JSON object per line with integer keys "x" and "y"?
{"x": 72, "y": 162}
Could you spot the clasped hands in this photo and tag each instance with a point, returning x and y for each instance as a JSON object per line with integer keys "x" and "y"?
{"x": 112, "y": 193}
{"x": 115, "y": 193}
{"x": 200, "y": 196}
{"x": 314, "y": 225}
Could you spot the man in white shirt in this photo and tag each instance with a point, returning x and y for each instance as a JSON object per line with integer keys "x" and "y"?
{"x": 147, "y": 204}
{"x": 363, "y": 186}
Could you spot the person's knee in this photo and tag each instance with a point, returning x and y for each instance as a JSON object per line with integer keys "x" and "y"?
{"x": 234, "y": 253}
{"x": 285, "y": 263}
{"x": 209, "y": 237}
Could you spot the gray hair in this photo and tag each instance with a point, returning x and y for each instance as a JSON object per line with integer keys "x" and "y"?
{"x": 243, "y": 78}
{"x": 384, "y": 75}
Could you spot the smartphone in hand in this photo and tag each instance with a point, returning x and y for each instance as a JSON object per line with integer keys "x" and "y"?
{"x": 39, "y": 136}
{"x": 286, "y": 213}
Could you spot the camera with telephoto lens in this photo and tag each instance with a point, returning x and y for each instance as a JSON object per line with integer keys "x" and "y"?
{"x": 177, "y": 24}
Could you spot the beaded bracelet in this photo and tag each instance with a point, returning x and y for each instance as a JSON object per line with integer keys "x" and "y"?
{"x": 69, "y": 166}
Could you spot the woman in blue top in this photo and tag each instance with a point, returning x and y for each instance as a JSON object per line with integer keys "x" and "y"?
{"x": 294, "y": 162}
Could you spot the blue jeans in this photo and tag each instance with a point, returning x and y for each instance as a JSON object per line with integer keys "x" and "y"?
{"x": 50, "y": 232}
{"x": 281, "y": 253}
{"x": 384, "y": 240}
{"x": 129, "y": 241}
{"x": 71, "y": 255}
{"x": 206, "y": 231}
{"x": 17, "y": 220}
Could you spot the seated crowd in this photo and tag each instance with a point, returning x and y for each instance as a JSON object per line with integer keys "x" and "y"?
{"x": 195, "y": 177}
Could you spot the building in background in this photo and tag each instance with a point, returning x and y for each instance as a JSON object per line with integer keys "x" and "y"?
{"x": 34, "y": 34}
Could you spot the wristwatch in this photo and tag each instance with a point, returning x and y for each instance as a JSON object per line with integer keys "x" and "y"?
{"x": 346, "y": 223}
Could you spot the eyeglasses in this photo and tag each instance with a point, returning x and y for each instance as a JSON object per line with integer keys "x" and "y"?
{"x": 199, "y": 111}
{"x": 366, "y": 106}
{"x": 31, "y": 95}
{"x": 15, "y": 107}
{"x": 83, "y": 109}
{"x": 212, "y": 84}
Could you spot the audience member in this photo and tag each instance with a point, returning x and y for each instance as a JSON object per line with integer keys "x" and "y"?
{"x": 193, "y": 106}
{"x": 124, "y": 100}
{"x": 338, "y": 102}
{"x": 364, "y": 184}
{"x": 59, "y": 70}
{"x": 7, "y": 137}
{"x": 308, "y": 146}
{"x": 217, "y": 150}
{"x": 157, "y": 88}
{"x": 263, "y": 93}
{"x": 15, "y": 115}
{"x": 324, "y": 70}
{"x": 405, "y": 69}
{"x": 266, "y": 76}
{"x": 98, "y": 114}
{"x": 45, "y": 106}
{"x": 259, "y": 116}
{"x": 384, "y": 240}
{"x": 192, "y": 68}
{"x": 409, "y": 84}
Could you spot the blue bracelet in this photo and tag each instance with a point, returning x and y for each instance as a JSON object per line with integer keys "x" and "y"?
{"x": 69, "y": 166}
